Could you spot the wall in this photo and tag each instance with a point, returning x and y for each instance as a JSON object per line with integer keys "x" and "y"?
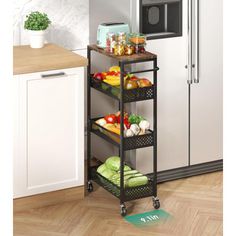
{"x": 70, "y": 21}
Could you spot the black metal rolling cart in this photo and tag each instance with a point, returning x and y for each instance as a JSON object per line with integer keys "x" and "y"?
{"x": 124, "y": 143}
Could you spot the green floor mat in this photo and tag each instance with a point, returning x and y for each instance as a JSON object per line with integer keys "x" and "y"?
{"x": 148, "y": 218}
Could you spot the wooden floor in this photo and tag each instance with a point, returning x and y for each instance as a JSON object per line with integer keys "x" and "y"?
{"x": 195, "y": 203}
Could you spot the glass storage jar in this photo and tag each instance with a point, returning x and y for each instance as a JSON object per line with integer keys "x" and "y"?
{"x": 129, "y": 49}
{"x": 137, "y": 39}
{"x": 119, "y": 49}
{"x": 121, "y": 37}
{"x": 110, "y": 42}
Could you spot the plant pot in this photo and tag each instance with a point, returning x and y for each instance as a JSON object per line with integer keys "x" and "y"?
{"x": 37, "y": 38}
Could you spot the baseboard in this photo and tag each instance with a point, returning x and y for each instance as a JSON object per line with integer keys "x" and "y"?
{"x": 189, "y": 171}
{"x": 47, "y": 199}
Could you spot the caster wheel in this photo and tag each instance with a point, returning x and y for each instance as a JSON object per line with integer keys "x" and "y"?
{"x": 156, "y": 203}
{"x": 123, "y": 210}
{"x": 90, "y": 187}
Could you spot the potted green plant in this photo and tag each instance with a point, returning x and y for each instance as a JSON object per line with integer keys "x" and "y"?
{"x": 36, "y": 23}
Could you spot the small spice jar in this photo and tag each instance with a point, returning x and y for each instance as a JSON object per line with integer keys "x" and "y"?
{"x": 129, "y": 49}
{"x": 119, "y": 49}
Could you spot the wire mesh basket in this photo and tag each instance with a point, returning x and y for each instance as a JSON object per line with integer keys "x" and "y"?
{"x": 134, "y": 142}
{"x": 132, "y": 95}
{"x": 130, "y": 193}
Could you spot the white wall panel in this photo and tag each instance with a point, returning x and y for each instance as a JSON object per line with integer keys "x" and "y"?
{"x": 70, "y": 21}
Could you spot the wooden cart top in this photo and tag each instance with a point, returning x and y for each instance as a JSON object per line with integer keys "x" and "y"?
{"x": 132, "y": 58}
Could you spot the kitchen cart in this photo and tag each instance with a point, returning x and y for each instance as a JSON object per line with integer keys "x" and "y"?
{"x": 123, "y": 143}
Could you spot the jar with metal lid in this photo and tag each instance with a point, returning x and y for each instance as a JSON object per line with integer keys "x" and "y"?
{"x": 119, "y": 49}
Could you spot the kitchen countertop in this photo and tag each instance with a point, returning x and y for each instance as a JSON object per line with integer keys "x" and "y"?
{"x": 50, "y": 57}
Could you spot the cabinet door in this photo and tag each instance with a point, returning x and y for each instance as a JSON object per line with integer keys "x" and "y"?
{"x": 206, "y": 117}
{"x": 51, "y": 136}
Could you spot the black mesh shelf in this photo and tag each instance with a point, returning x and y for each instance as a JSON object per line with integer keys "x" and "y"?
{"x": 135, "y": 142}
{"x": 132, "y": 95}
{"x": 130, "y": 193}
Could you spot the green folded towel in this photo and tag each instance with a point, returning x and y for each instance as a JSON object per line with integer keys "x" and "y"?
{"x": 131, "y": 172}
{"x": 101, "y": 168}
{"x": 137, "y": 181}
{"x": 127, "y": 168}
{"x": 111, "y": 171}
{"x": 133, "y": 181}
{"x": 107, "y": 173}
{"x": 113, "y": 163}
{"x": 126, "y": 176}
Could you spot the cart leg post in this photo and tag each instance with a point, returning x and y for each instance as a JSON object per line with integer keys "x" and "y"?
{"x": 89, "y": 182}
{"x": 155, "y": 200}
{"x": 155, "y": 128}
{"x": 122, "y": 153}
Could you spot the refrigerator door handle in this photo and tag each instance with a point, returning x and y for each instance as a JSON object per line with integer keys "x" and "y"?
{"x": 190, "y": 32}
{"x": 197, "y": 54}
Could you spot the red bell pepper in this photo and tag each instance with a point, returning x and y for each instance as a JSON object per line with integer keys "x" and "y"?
{"x": 126, "y": 121}
{"x": 111, "y": 118}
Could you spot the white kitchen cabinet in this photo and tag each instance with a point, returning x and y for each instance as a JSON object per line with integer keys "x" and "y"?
{"x": 49, "y": 131}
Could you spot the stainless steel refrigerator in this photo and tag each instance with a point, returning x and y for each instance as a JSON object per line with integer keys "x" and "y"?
{"x": 187, "y": 36}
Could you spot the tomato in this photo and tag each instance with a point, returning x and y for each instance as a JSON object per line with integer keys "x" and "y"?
{"x": 98, "y": 76}
{"x": 133, "y": 78}
{"x": 125, "y": 117}
{"x": 111, "y": 119}
{"x": 104, "y": 74}
{"x": 126, "y": 121}
{"x": 113, "y": 73}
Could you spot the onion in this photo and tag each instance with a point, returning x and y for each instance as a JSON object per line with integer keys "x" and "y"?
{"x": 129, "y": 133}
{"x": 135, "y": 128}
{"x": 144, "y": 125}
